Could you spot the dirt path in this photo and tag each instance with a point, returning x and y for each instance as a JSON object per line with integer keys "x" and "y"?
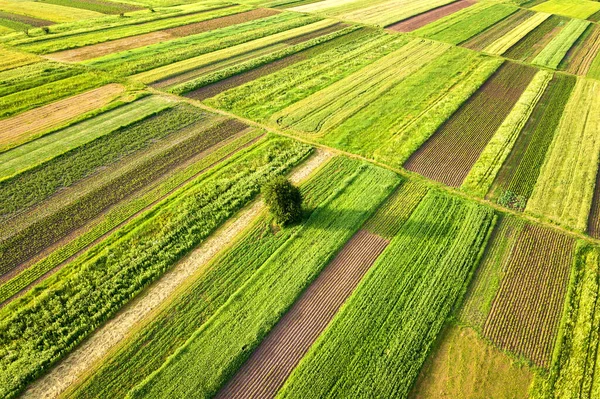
{"x": 275, "y": 358}
{"x": 102, "y": 340}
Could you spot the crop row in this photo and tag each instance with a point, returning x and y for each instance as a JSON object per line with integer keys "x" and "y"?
{"x": 35, "y": 185}
{"x": 388, "y": 12}
{"x": 156, "y": 55}
{"x": 451, "y": 152}
{"x": 463, "y": 25}
{"x": 505, "y": 42}
{"x": 581, "y": 56}
{"x": 219, "y": 347}
{"x": 572, "y": 373}
{"x": 519, "y": 173}
{"x": 377, "y": 343}
{"x": 149, "y": 347}
{"x": 31, "y": 154}
{"x": 528, "y": 47}
{"x": 267, "y": 95}
{"x": 525, "y": 314}
{"x": 46, "y": 323}
{"x": 555, "y": 51}
{"x": 122, "y": 212}
{"x": 41, "y": 234}
{"x": 565, "y": 188}
{"x": 487, "y": 278}
{"x": 494, "y": 33}
{"x": 484, "y": 171}
{"x": 74, "y": 35}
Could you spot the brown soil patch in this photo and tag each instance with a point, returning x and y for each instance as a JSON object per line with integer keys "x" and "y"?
{"x": 585, "y": 54}
{"x": 19, "y": 128}
{"x": 25, "y": 19}
{"x": 450, "y": 153}
{"x": 222, "y": 22}
{"x": 466, "y": 367}
{"x": 107, "y": 336}
{"x": 527, "y": 309}
{"x": 275, "y": 358}
{"x": 128, "y": 43}
{"x": 420, "y": 20}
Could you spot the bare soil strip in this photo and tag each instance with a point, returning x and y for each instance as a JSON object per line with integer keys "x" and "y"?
{"x": 107, "y": 336}
{"x": 271, "y": 363}
{"x": 128, "y": 43}
{"x": 408, "y": 25}
{"x": 21, "y": 127}
{"x": 450, "y": 153}
{"x": 527, "y": 309}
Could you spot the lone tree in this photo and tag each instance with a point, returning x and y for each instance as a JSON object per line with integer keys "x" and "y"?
{"x": 283, "y": 199}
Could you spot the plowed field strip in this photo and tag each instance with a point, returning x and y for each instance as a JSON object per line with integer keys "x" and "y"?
{"x": 20, "y": 128}
{"x": 418, "y": 21}
{"x": 271, "y": 363}
{"x": 594, "y": 217}
{"x": 527, "y": 309}
{"x": 585, "y": 54}
{"x": 450, "y": 153}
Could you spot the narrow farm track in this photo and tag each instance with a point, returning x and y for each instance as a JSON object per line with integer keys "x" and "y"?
{"x": 271, "y": 363}
{"x": 526, "y": 312}
{"x": 106, "y": 337}
{"x": 19, "y": 128}
{"x": 420, "y": 20}
{"x": 450, "y": 153}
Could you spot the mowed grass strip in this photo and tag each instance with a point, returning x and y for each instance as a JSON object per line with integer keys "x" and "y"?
{"x": 463, "y": 25}
{"x": 377, "y": 343}
{"x": 68, "y": 306}
{"x": 526, "y": 311}
{"x": 556, "y": 50}
{"x": 148, "y": 347}
{"x": 389, "y": 12}
{"x": 51, "y": 12}
{"x": 536, "y": 40}
{"x": 31, "y": 154}
{"x": 518, "y": 175}
{"x": 220, "y": 346}
{"x": 102, "y": 6}
{"x": 484, "y": 171}
{"x": 565, "y": 187}
{"x": 580, "y": 57}
{"x": 123, "y": 212}
{"x": 450, "y": 153}
{"x": 570, "y": 8}
{"x": 418, "y": 21}
{"x": 497, "y": 31}
{"x": 11, "y": 58}
{"x": 502, "y": 44}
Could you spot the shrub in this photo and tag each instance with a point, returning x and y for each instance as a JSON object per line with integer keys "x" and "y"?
{"x": 283, "y": 199}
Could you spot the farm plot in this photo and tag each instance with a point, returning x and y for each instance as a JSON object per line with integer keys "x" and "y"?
{"x": 536, "y": 40}
{"x": 74, "y": 36}
{"x": 515, "y": 180}
{"x": 11, "y": 58}
{"x": 463, "y": 25}
{"x": 128, "y": 261}
{"x": 149, "y": 57}
{"x": 497, "y": 31}
{"x": 22, "y": 278}
{"x": 269, "y": 293}
{"x": 465, "y": 366}
{"x": 484, "y": 171}
{"x": 570, "y": 8}
{"x": 160, "y": 335}
{"x": 34, "y": 123}
{"x": 580, "y": 57}
{"x": 572, "y": 373}
{"x": 130, "y": 39}
{"x": 21, "y": 22}
{"x": 270, "y": 364}
{"x": 229, "y": 56}
{"x": 557, "y": 49}
{"x": 263, "y": 97}
{"x": 502, "y": 44}
{"x": 410, "y": 24}
{"x": 565, "y": 187}
{"x": 489, "y": 274}
{"x": 377, "y": 343}
{"x": 51, "y": 12}
{"x": 102, "y": 6}
{"x": 24, "y": 243}
{"x": 527, "y": 309}
{"x": 450, "y": 153}
{"x": 210, "y": 81}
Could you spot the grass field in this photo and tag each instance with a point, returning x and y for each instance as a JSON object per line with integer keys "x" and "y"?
{"x": 570, "y": 8}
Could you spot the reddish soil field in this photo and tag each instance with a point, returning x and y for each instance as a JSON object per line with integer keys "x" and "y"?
{"x": 408, "y": 25}
{"x": 527, "y": 309}
{"x": 271, "y": 363}
{"x": 450, "y": 153}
